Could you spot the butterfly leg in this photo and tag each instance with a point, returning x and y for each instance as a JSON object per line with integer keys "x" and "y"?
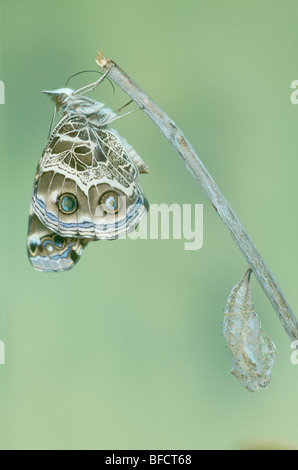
{"x": 92, "y": 86}
{"x": 122, "y": 115}
{"x": 124, "y": 106}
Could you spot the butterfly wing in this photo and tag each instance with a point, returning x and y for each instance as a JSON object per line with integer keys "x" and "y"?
{"x": 48, "y": 251}
{"x": 86, "y": 184}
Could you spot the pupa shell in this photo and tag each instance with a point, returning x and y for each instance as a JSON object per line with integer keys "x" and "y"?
{"x": 253, "y": 351}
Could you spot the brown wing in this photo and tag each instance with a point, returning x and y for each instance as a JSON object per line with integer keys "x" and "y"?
{"x": 86, "y": 185}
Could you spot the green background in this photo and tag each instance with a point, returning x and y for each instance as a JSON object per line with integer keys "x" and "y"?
{"x": 125, "y": 350}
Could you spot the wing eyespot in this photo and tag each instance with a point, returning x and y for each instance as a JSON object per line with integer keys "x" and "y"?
{"x": 67, "y": 203}
{"x": 59, "y": 242}
{"x": 110, "y": 202}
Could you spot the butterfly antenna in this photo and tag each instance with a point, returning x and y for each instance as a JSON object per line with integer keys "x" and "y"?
{"x": 83, "y": 71}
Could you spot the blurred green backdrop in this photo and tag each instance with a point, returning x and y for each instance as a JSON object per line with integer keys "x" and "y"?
{"x": 125, "y": 351}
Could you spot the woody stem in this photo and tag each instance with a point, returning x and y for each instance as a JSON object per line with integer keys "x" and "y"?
{"x": 211, "y": 190}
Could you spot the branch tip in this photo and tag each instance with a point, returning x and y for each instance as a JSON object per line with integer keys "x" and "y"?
{"x": 102, "y": 61}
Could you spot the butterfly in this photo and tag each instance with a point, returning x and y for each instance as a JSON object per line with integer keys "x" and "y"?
{"x": 86, "y": 184}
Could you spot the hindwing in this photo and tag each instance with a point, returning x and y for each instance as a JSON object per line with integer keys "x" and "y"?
{"x": 48, "y": 251}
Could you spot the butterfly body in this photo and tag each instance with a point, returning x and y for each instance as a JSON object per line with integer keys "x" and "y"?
{"x": 86, "y": 185}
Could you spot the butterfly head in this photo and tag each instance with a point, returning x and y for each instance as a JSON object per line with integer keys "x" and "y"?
{"x": 60, "y": 96}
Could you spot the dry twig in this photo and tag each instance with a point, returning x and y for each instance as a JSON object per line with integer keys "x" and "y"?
{"x": 211, "y": 190}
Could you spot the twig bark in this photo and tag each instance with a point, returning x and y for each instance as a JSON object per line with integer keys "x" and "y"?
{"x": 211, "y": 190}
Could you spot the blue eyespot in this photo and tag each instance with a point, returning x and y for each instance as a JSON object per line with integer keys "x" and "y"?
{"x": 68, "y": 203}
{"x": 110, "y": 202}
{"x": 59, "y": 242}
{"x": 47, "y": 244}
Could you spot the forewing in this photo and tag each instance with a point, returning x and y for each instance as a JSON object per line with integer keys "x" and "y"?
{"x": 82, "y": 164}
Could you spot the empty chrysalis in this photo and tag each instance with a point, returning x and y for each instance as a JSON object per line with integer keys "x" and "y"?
{"x": 253, "y": 351}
